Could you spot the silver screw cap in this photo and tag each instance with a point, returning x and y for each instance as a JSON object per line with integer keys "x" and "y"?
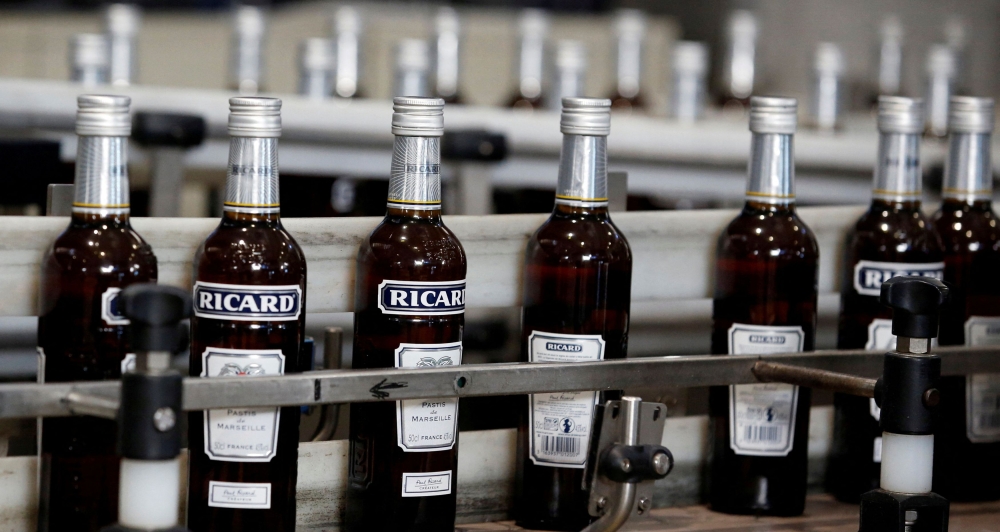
{"x": 770, "y": 114}
{"x": 967, "y": 114}
{"x": 122, "y": 20}
{"x": 417, "y": 117}
{"x": 690, "y": 56}
{"x": 89, "y": 50}
{"x": 897, "y": 114}
{"x": 586, "y": 116}
{"x": 254, "y": 116}
{"x": 99, "y": 115}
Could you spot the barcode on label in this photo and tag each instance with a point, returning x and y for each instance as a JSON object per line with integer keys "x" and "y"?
{"x": 755, "y": 433}
{"x": 560, "y": 445}
{"x": 991, "y": 420}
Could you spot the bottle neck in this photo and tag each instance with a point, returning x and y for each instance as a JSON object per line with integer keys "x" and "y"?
{"x": 531, "y": 66}
{"x": 739, "y": 70}
{"x": 101, "y": 181}
{"x": 771, "y": 169}
{"x": 412, "y": 82}
{"x": 247, "y": 63}
{"x": 968, "y": 174}
{"x": 347, "y": 64}
{"x": 315, "y": 83}
{"x": 583, "y": 172}
{"x": 446, "y": 66}
{"x": 252, "y": 177}
{"x": 687, "y": 99}
{"x": 415, "y": 175}
{"x": 567, "y": 82}
{"x": 897, "y": 175}
{"x": 889, "y": 67}
{"x": 122, "y": 59}
{"x": 629, "y": 65}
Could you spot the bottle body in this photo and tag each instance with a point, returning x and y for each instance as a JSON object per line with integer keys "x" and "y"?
{"x": 82, "y": 335}
{"x": 967, "y": 442}
{"x": 249, "y": 296}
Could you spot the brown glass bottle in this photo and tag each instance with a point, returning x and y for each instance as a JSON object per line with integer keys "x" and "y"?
{"x": 892, "y": 238}
{"x": 249, "y": 296}
{"x": 409, "y": 312}
{"x": 765, "y": 302}
{"x": 577, "y": 288}
{"x": 81, "y": 333}
{"x": 967, "y": 440}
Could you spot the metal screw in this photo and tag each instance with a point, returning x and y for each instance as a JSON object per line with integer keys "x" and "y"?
{"x": 932, "y": 398}
{"x": 626, "y": 465}
{"x": 644, "y": 504}
{"x": 602, "y": 502}
{"x": 164, "y": 419}
{"x": 661, "y": 463}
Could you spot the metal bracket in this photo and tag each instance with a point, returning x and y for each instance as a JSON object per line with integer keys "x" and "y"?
{"x": 628, "y": 422}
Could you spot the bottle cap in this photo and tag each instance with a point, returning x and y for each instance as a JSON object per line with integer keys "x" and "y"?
{"x": 89, "y": 50}
{"x": 586, "y": 116}
{"x": 417, "y": 117}
{"x": 412, "y": 54}
{"x": 100, "y": 115}
{"x": 316, "y": 54}
{"x": 570, "y": 55}
{"x": 254, "y": 116}
{"x": 690, "y": 56}
{"x": 347, "y": 19}
{"x": 829, "y": 58}
{"x": 248, "y": 21}
{"x": 897, "y": 114}
{"x": 891, "y": 29}
{"x": 446, "y": 21}
{"x": 968, "y": 114}
{"x": 769, "y": 114}
{"x": 630, "y": 23}
{"x": 742, "y": 25}
{"x": 533, "y": 23}
{"x": 122, "y": 20}
{"x": 941, "y": 61}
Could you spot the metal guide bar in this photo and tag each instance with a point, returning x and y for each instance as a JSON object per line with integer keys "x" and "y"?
{"x": 347, "y": 386}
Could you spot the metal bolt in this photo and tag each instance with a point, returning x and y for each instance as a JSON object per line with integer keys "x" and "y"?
{"x": 932, "y": 398}
{"x": 644, "y": 504}
{"x": 164, "y": 419}
{"x": 626, "y": 465}
{"x": 661, "y": 463}
{"x": 602, "y": 502}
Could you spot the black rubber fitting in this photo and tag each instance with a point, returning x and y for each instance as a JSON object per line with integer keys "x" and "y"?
{"x": 168, "y": 129}
{"x": 155, "y": 312}
{"x": 634, "y": 463}
{"x": 916, "y": 305}
{"x": 473, "y": 145}
{"x": 900, "y": 392}
{"x": 120, "y": 528}
{"x": 150, "y": 416}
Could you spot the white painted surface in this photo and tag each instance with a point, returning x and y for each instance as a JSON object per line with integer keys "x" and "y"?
{"x": 907, "y": 463}
{"x": 149, "y": 491}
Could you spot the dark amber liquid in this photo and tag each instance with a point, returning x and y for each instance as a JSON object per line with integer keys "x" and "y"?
{"x": 766, "y": 274}
{"x": 577, "y": 280}
{"x": 409, "y": 245}
{"x": 887, "y": 232}
{"x": 966, "y": 471}
{"x": 247, "y": 249}
{"x": 79, "y": 464}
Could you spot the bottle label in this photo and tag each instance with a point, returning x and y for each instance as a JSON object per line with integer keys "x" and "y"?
{"x": 426, "y": 425}
{"x": 244, "y": 496}
{"x": 982, "y": 391}
{"x": 762, "y": 416}
{"x": 880, "y": 337}
{"x": 110, "y": 311}
{"x": 247, "y": 303}
{"x": 869, "y": 275}
{"x": 242, "y": 434}
{"x": 421, "y": 298}
{"x": 426, "y": 484}
{"x": 561, "y": 422}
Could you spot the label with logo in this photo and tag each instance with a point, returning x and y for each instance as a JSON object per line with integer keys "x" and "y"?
{"x": 880, "y": 337}
{"x": 426, "y": 484}
{"x": 762, "y": 416}
{"x": 561, "y": 422}
{"x": 242, "y": 495}
{"x": 421, "y": 298}
{"x": 110, "y": 311}
{"x": 242, "y": 434}
{"x": 425, "y": 425}
{"x": 869, "y": 274}
{"x": 982, "y": 392}
{"x": 247, "y": 302}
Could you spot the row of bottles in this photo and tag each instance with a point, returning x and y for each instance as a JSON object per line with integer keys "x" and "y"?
{"x": 250, "y": 306}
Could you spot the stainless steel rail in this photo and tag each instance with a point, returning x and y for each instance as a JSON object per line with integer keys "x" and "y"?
{"x": 346, "y": 386}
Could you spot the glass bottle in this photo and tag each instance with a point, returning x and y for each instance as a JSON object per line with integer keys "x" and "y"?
{"x": 892, "y": 238}
{"x": 967, "y": 442}
{"x": 533, "y": 29}
{"x": 82, "y": 335}
{"x": 765, "y": 302}
{"x": 630, "y": 34}
{"x": 447, "y": 52}
{"x": 577, "y": 286}
{"x": 249, "y": 318}
{"x": 409, "y": 312}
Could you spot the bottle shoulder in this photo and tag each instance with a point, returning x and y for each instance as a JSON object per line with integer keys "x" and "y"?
{"x": 250, "y": 253}
{"x": 893, "y": 234}
{"x": 578, "y": 240}
{"x": 967, "y": 229}
{"x": 413, "y": 250}
{"x": 110, "y": 248}
{"x": 779, "y": 234}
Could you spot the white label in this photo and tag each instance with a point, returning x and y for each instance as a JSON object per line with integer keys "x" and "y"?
{"x": 762, "y": 416}
{"x": 426, "y": 484}
{"x": 426, "y": 425}
{"x": 982, "y": 392}
{"x": 242, "y": 434}
{"x": 561, "y": 422}
{"x": 869, "y": 274}
{"x": 239, "y": 495}
{"x": 111, "y": 311}
{"x": 877, "y": 450}
{"x": 880, "y": 337}
{"x": 247, "y": 302}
